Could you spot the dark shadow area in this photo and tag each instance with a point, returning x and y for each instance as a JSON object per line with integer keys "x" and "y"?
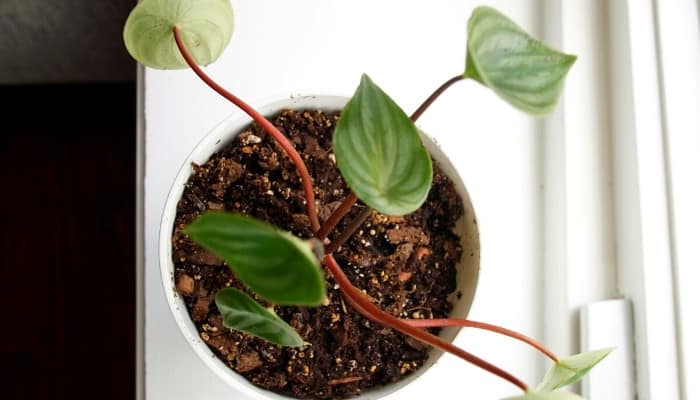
{"x": 67, "y": 205}
{"x": 64, "y": 41}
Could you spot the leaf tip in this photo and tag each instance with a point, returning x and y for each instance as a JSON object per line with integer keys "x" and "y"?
{"x": 189, "y": 230}
{"x": 606, "y": 351}
{"x": 297, "y": 341}
{"x": 521, "y": 69}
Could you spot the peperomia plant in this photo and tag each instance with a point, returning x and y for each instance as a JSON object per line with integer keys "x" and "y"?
{"x": 381, "y": 158}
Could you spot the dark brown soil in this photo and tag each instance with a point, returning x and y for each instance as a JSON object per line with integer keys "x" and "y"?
{"x": 405, "y": 264}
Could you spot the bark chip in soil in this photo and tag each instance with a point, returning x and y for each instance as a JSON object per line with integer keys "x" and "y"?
{"x": 406, "y": 265}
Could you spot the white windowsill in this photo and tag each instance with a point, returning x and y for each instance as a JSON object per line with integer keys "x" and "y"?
{"x": 598, "y": 201}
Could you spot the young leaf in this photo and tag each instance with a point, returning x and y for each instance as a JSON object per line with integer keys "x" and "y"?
{"x": 379, "y": 152}
{"x": 242, "y": 313}
{"x": 558, "y": 395}
{"x": 520, "y": 69}
{"x": 206, "y": 27}
{"x": 278, "y": 266}
{"x": 571, "y": 369}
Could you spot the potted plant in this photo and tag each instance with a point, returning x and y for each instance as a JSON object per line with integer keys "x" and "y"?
{"x": 381, "y": 161}
{"x": 345, "y": 326}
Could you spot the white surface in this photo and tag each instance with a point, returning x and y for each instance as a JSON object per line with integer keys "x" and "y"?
{"x": 140, "y": 240}
{"x": 408, "y": 48}
{"x": 678, "y": 36}
{"x": 645, "y": 271}
{"x": 597, "y": 201}
{"x": 607, "y": 324}
{"x": 579, "y": 249}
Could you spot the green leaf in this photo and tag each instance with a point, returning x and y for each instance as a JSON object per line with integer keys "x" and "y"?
{"x": 558, "y": 395}
{"x": 206, "y": 27}
{"x": 520, "y": 69}
{"x": 379, "y": 152}
{"x": 276, "y": 265}
{"x": 571, "y": 369}
{"x": 242, "y": 313}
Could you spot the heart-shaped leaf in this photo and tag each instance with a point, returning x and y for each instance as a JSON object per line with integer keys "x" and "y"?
{"x": 242, "y": 313}
{"x": 206, "y": 27}
{"x": 522, "y": 70}
{"x": 379, "y": 152}
{"x": 558, "y": 395}
{"x": 571, "y": 369}
{"x": 278, "y": 266}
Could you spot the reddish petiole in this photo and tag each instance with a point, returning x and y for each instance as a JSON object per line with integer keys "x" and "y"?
{"x": 353, "y": 295}
{"x": 262, "y": 121}
{"x": 434, "y": 323}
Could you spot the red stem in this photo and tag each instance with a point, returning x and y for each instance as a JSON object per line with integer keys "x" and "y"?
{"x": 366, "y": 308}
{"x": 354, "y": 296}
{"x": 262, "y": 121}
{"x": 349, "y": 201}
{"x": 432, "y": 323}
{"x": 349, "y": 230}
{"x": 416, "y": 114}
{"x": 344, "y": 208}
{"x": 337, "y": 215}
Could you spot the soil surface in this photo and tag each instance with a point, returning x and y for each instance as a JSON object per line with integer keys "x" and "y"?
{"x": 406, "y": 265}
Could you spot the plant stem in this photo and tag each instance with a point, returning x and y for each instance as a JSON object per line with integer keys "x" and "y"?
{"x": 366, "y": 308}
{"x": 337, "y": 215}
{"x": 416, "y": 114}
{"x": 347, "y": 204}
{"x": 262, "y": 121}
{"x": 432, "y": 323}
{"x": 354, "y": 296}
{"x": 354, "y": 225}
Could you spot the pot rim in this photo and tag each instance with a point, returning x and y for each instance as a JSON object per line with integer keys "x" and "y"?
{"x": 220, "y": 136}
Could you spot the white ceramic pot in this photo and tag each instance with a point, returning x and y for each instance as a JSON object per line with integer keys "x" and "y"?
{"x": 223, "y": 134}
